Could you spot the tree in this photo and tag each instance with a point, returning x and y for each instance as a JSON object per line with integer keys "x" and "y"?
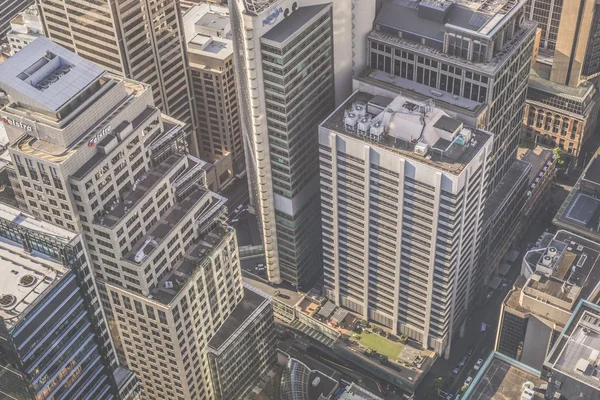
{"x": 560, "y": 157}
{"x": 437, "y": 385}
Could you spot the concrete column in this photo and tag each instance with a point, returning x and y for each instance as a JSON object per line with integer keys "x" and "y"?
{"x": 334, "y": 212}
{"x": 434, "y": 228}
{"x": 367, "y": 188}
{"x": 400, "y": 212}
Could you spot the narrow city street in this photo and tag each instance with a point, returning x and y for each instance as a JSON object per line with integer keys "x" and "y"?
{"x": 480, "y": 342}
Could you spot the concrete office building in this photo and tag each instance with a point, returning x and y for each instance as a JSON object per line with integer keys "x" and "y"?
{"x": 55, "y": 339}
{"x": 92, "y": 152}
{"x": 571, "y": 368}
{"x": 210, "y": 51}
{"x": 562, "y": 271}
{"x": 10, "y": 9}
{"x": 570, "y": 36}
{"x": 453, "y": 50}
{"x": 24, "y": 29}
{"x": 402, "y": 195}
{"x": 243, "y": 349}
{"x": 579, "y": 212}
{"x": 293, "y": 64}
{"x": 137, "y": 40}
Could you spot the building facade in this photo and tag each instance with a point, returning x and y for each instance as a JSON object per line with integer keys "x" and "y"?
{"x": 559, "y": 116}
{"x": 477, "y": 51}
{"x": 93, "y": 153}
{"x": 243, "y": 349}
{"x": 210, "y": 51}
{"x": 402, "y": 195}
{"x": 10, "y": 9}
{"x": 294, "y": 60}
{"x": 136, "y": 40}
{"x": 24, "y": 29}
{"x": 55, "y": 338}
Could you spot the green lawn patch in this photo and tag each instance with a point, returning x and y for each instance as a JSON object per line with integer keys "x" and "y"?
{"x": 380, "y": 344}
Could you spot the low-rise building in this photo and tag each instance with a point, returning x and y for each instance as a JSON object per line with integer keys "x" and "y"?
{"x": 501, "y": 377}
{"x": 571, "y": 368}
{"x": 580, "y": 212}
{"x": 558, "y": 115}
{"x": 562, "y": 271}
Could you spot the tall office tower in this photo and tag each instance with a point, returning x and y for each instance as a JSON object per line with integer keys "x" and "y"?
{"x": 402, "y": 195}
{"x": 210, "y": 51}
{"x": 556, "y": 276}
{"x": 54, "y": 337}
{"x": 8, "y": 10}
{"x": 92, "y": 151}
{"x": 467, "y": 54}
{"x": 139, "y": 40}
{"x": 293, "y": 60}
{"x": 571, "y": 36}
{"x": 24, "y": 29}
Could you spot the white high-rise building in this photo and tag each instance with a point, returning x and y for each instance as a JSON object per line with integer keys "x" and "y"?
{"x": 402, "y": 196}
{"x": 294, "y": 62}
{"x": 94, "y": 154}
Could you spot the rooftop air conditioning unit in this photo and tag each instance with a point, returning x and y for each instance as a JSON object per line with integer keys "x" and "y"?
{"x": 168, "y": 284}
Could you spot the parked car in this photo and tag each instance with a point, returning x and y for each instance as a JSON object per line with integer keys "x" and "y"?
{"x": 468, "y": 381}
{"x": 449, "y": 397}
{"x": 478, "y": 364}
{"x": 456, "y": 370}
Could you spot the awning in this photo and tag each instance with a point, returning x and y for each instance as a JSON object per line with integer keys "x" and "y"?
{"x": 494, "y": 282}
{"x": 512, "y": 256}
{"x": 504, "y": 268}
{"x": 327, "y": 309}
{"x": 339, "y": 315}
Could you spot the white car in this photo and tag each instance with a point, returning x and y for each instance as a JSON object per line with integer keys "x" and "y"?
{"x": 478, "y": 364}
{"x": 468, "y": 381}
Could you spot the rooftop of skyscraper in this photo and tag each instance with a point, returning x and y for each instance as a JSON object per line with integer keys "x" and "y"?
{"x": 46, "y": 75}
{"x": 501, "y": 377}
{"x": 416, "y": 130}
{"x": 25, "y": 275}
{"x": 580, "y": 212}
{"x": 562, "y": 270}
{"x": 576, "y": 355}
{"x": 422, "y": 26}
{"x": 207, "y": 30}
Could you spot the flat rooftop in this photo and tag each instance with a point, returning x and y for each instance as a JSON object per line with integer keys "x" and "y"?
{"x": 46, "y": 75}
{"x": 576, "y": 267}
{"x": 295, "y": 21}
{"x": 283, "y": 292}
{"x": 355, "y": 392}
{"x": 539, "y": 78}
{"x": 207, "y": 16}
{"x": 488, "y": 68}
{"x": 193, "y": 259}
{"x": 577, "y": 352}
{"x": 24, "y": 277}
{"x": 580, "y": 212}
{"x": 403, "y": 130}
{"x": 251, "y": 302}
{"x": 538, "y": 158}
{"x": 428, "y": 18}
{"x": 501, "y": 377}
{"x": 17, "y": 217}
